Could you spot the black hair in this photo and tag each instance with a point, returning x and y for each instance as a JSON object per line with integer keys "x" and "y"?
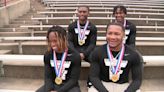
{"x": 83, "y": 6}
{"x": 61, "y": 31}
{"x": 122, "y": 8}
{"x": 116, "y": 23}
{"x": 61, "y": 35}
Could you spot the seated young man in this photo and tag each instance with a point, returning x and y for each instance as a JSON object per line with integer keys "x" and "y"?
{"x": 112, "y": 62}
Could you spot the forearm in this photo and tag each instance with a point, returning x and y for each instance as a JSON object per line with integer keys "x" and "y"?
{"x": 137, "y": 71}
{"x": 98, "y": 84}
{"x": 135, "y": 85}
{"x": 68, "y": 85}
{"x": 89, "y": 49}
{"x": 48, "y": 85}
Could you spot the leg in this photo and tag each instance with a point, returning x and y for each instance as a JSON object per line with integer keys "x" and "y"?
{"x": 89, "y": 84}
{"x": 41, "y": 89}
{"x": 75, "y": 89}
{"x": 141, "y": 59}
{"x": 92, "y": 89}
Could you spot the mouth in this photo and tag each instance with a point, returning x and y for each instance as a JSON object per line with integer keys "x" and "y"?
{"x": 112, "y": 42}
{"x": 119, "y": 19}
{"x": 54, "y": 48}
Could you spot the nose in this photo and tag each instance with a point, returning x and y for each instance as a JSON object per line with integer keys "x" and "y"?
{"x": 112, "y": 36}
{"x": 53, "y": 44}
{"x": 118, "y": 14}
{"x": 82, "y": 13}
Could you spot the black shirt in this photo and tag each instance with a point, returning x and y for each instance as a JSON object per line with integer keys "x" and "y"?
{"x": 90, "y": 41}
{"x": 71, "y": 73}
{"x": 131, "y": 36}
{"x": 100, "y": 72}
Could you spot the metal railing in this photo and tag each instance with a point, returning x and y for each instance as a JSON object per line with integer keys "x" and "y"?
{"x": 4, "y": 2}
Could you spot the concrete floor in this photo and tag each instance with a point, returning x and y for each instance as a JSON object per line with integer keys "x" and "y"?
{"x": 30, "y": 85}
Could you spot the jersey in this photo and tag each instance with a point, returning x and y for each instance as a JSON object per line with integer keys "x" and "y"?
{"x": 70, "y": 73}
{"x": 130, "y": 32}
{"x": 90, "y": 38}
{"x": 99, "y": 71}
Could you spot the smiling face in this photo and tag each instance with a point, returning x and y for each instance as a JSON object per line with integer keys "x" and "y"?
{"x": 119, "y": 13}
{"x": 83, "y": 13}
{"x": 114, "y": 36}
{"x": 57, "y": 40}
{"x": 53, "y": 41}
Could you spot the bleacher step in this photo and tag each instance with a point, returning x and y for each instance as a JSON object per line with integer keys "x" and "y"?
{"x": 9, "y": 90}
{"x": 6, "y": 29}
{"x": 31, "y": 85}
{"x": 5, "y": 51}
{"x": 26, "y": 22}
{"x": 19, "y": 84}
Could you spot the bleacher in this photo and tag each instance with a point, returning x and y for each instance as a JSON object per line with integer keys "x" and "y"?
{"x": 23, "y": 41}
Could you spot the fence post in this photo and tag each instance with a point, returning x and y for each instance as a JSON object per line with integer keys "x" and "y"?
{"x": 1, "y": 69}
{"x": 5, "y": 2}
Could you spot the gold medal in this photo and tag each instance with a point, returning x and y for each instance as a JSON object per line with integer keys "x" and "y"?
{"x": 115, "y": 77}
{"x": 81, "y": 42}
{"x": 58, "y": 80}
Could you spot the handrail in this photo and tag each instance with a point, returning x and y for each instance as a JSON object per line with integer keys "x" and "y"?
{"x": 98, "y": 26}
{"x": 103, "y": 8}
{"x": 98, "y": 18}
{"x": 94, "y": 12}
{"x": 4, "y": 2}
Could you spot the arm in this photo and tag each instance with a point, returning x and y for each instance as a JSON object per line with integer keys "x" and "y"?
{"x": 92, "y": 44}
{"x": 132, "y": 36}
{"x": 137, "y": 69}
{"x": 95, "y": 72}
{"x": 75, "y": 73}
{"x": 48, "y": 74}
{"x": 70, "y": 38}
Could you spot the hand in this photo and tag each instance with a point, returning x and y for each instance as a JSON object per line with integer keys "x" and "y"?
{"x": 53, "y": 91}
{"x": 82, "y": 56}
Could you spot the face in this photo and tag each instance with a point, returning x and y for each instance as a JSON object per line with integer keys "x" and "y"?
{"x": 83, "y": 13}
{"x": 53, "y": 41}
{"x": 119, "y": 15}
{"x": 114, "y": 36}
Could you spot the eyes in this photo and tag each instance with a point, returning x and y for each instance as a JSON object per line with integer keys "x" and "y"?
{"x": 113, "y": 33}
{"x": 82, "y": 11}
{"x": 52, "y": 41}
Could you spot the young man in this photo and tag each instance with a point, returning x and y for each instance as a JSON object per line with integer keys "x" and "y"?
{"x": 61, "y": 64}
{"x": 82, "y": 34}
{"x": 120, "y": 13}
{"x": 112, "y": 62}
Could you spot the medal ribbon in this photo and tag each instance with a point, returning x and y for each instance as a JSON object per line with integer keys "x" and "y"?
{"x": 124, "y": 23}
{"x": 110, "y": 57}
{"x": 81, "y": 33}
{"x": 58, "y": 70}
